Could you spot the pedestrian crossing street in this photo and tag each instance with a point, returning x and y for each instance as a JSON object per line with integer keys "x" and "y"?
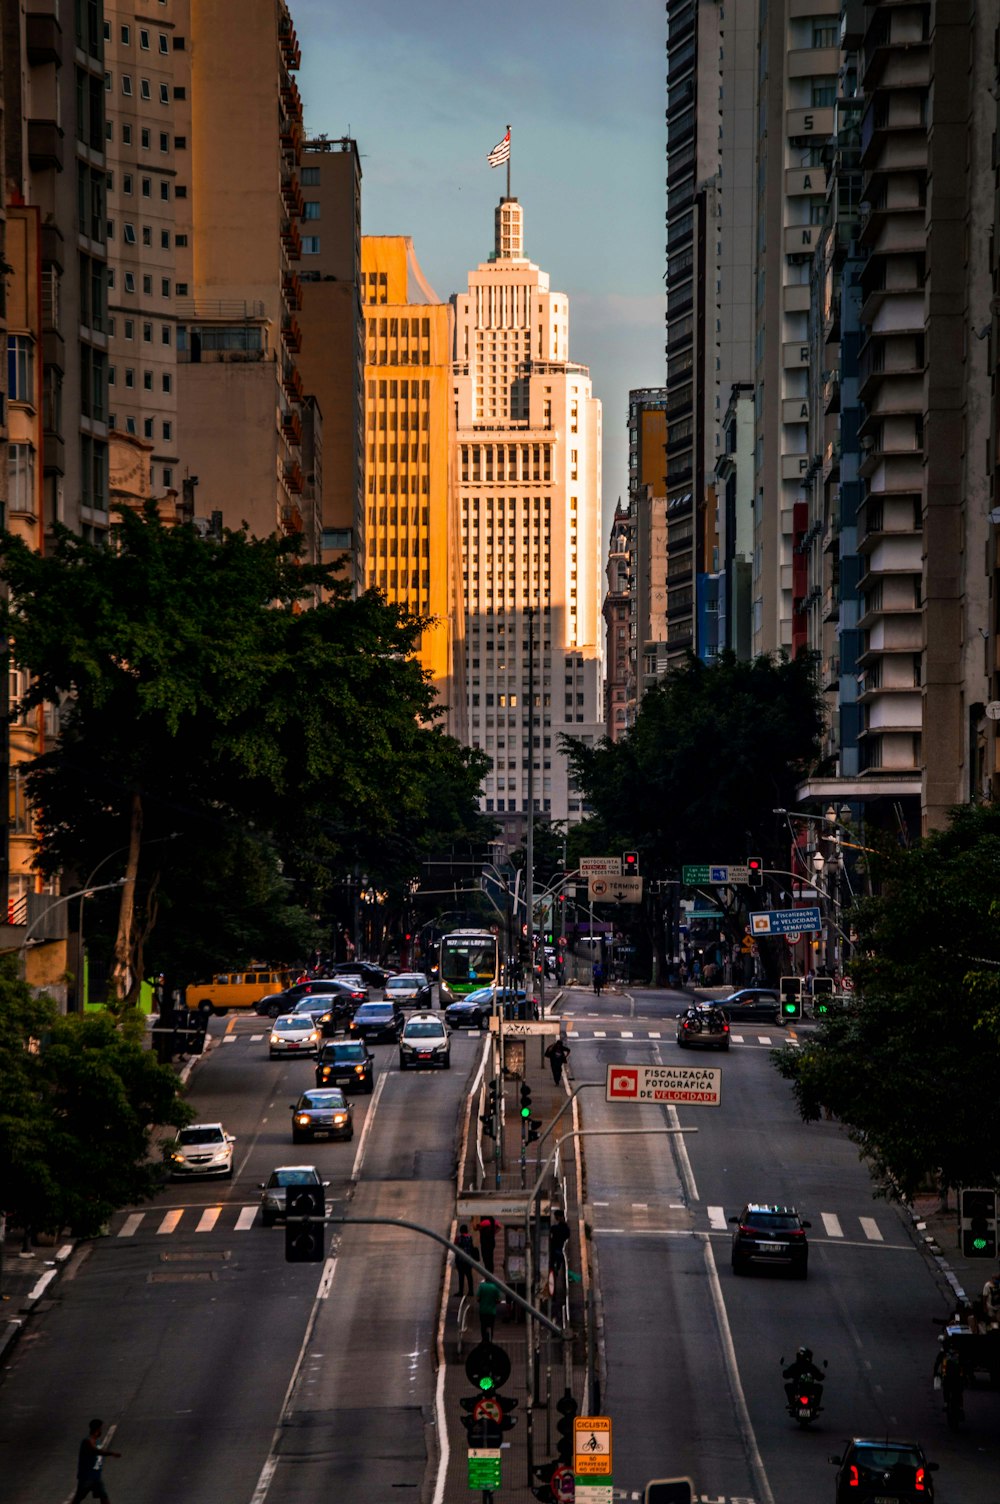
{"x": 190, "y": 1219}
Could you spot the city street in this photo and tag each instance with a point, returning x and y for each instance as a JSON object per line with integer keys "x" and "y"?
{"x": 232, "y": 1377}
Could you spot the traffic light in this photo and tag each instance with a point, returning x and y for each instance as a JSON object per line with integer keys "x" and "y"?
{"x": 791, "y": 999}
{"x": 554, "y": 1481}
{"x": 490, "y": 1116}
{"x": 304, "y": 1241}
{"x": 568, "y": 1409}
{"x": 630, "y": 863}
{"x": 822, "y": 993}
{"x": 526, "y": 1118}
{"x": 977, "y": 1212}
{"x": 755, "y": 872}
{"x": 534, "y": 1126}
{"x": 488, "y": 1413}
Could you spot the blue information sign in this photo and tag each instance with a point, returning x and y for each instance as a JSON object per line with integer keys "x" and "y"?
{"x": 785, "y": 921}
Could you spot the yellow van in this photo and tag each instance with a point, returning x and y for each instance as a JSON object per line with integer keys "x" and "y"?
{"x": 234, "y": 989}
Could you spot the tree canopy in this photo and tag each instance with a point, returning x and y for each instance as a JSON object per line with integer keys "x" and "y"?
{"x": 912, "y": 1066}
{"x": 218, "y": 696}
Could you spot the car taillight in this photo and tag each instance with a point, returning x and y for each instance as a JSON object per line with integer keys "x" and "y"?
{"x": 854, "y": 1480}
{"x": 725, "y": 1028}
{"x": 797, "y": 1232}
{"x": 687, "y": 1023}
{"x": 918, "y": 1481}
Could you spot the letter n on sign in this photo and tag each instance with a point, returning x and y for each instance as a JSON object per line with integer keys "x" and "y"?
{"x": 623, "y": 1083}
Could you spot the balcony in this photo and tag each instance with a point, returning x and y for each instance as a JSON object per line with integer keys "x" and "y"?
{"x": 293, "y": 476}
{"x": 291, "y": 426}
{"x": 45, "y": 146}
{"x": 291, "y": 518}
{"x": 291, "y": 382}
{"x": 291, "y": 332}
{"x": 291, "y": 193}
{"x": 291, "y": 239}
{"x": 289, "y": 44}
{"x": 291, "y": 286}
{"x": 43, "y": 38}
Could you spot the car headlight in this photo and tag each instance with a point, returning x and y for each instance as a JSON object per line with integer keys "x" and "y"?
{"x": 177, "y": 1157}
{"x": 407, "y": 1049}
{"x": 340, "y": 1118}
{"x": 275, "y": 1039}
{"x": 303, "y": 1118}
{"x": 359, "y": 1070}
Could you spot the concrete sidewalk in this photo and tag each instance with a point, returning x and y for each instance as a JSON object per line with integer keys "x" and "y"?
{"x": 544, "y": 1370}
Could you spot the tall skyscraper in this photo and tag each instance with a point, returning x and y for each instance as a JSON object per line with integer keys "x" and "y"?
{"x": 528, "y": 464}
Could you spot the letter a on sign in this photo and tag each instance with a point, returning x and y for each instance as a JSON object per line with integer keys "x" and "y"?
{"x": 623, "y": 1082}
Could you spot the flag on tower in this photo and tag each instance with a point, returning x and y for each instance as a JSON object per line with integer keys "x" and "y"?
{"x": 501, "y": 152}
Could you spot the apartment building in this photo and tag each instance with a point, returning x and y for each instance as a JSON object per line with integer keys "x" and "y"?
{"x": 647, "y": 501}
{"x": 709, "y": 221}
{"x": 327, "y": 289}
{"x": 618, "y": 610}
{"x": 239, "y": 206}
{"x": 411, "y": 531}
{"x": 528, "y": 462}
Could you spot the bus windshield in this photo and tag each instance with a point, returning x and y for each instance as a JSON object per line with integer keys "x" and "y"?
{"x": 468, "y": 961}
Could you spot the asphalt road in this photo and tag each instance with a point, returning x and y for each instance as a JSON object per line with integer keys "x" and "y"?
{"x": 224, "y": 1376}
{"x": 693, "y": 1352}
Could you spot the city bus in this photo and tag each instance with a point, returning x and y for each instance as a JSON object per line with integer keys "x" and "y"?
{"x": 467, "y": 959}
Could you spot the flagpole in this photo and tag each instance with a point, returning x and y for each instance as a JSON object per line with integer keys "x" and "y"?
{"x": 508, "y": 165}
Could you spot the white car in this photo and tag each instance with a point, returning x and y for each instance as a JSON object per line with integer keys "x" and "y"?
{"x": 294, "y": 1034}
{"x": 202, "y": 1149}
{"x": 424, "y": 1041}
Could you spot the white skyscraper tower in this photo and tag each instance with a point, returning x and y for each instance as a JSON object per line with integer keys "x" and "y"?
{"x": 528, "y": 471}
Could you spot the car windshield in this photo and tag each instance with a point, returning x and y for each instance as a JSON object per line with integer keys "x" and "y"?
{"x": 293, "y": 1024}
{"x": 345, "y": 1052}
{"x": 402, "y": 984}
{"x": 426, "y": 1029}
{"x": 323, "y": 1099}
{"x": 373, "y": 1010}
{"x": 294, "y": 1177}
{"x": 201, "y": 1136}
{"x": 772, "y": 1221}
{"x": 310, "y": 1004}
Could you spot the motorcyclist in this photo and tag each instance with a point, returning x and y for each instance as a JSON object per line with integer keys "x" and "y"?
{"x": 802, "y": 1369}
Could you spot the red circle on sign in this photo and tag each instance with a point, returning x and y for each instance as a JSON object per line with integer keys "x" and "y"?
{"x": 563, "y": 1483}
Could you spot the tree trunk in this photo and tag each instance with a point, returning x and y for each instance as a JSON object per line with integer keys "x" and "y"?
{"x": 121, "y": 971}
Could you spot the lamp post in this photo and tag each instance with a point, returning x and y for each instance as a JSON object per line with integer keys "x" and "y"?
{"x": 86, "y": 892}
{"x": 157, "y": 841}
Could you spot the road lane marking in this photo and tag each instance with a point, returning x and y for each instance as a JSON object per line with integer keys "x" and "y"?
{"x": 627, "y": 1034}
{"x": 369, "y": 1119}
{"x": 750, "y": 1447}
{"x": 326, "y": 1282}
{"x": 208, "y": 1218}
{"x": 870, "y": 1229}
{"x": 230, "y": 1038}
{"x": 763, "y": 1039}
{"x": 170, "y": 1221}
{"x": 717, "y": 1218}
{"x": 255, "y": 1037}
{"x": 654, "y": 1034}
{"x": 245, "y": 1220}
{"x": 229, "y": 1029}
{"x": 131, "y": 1224}
{"x": 736, "y": 1038}
{"x": 831, "y": 1225}
{"x": 640, "y": 1206}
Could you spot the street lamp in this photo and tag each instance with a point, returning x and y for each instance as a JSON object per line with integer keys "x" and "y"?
{"x": 156, "y": 841}
{"x": 63, "y": 898}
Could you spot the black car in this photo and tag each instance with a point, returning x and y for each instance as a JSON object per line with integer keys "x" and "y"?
{"x": 759, "y": 1003}
{"x": 378, "y": 1021}
{"x": 331, "y": 1011}
{"x": 773, "y": 1235}
{"x": 702, "y": 1028}
{"x": 347, "y": 1063}
{"x": 284, "y": 1002}
{"x": 883, "y": 1472}
{"x": 324, "y": 1109}
{"x": 374, "y": 976}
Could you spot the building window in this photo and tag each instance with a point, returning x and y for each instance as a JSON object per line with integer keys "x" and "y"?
{"x": 180, "y": 143}
{"x": 144, "y": 139}
{"x": 165, "y": 287}
{"x": 126, "y": 135}
{"x": 180, "y": 93}
{"x": 126, "y": 182}
{"x": 165, "y": 190}
{"x": 168, "y": 429}
{"x": 144, "y": 90}
{"x": 147, "y": 428}
{"x": 162, "y": 41}
{"x": 130, "y": 425}
{"x": 309, "y": 177}
{"x": 144, "y": 39}
{"x": 310, "y": 245}
{"x": 130, "y": 281}
{"x": 21, "y": 478}
{"x": 164, "y": 240}
{"x": 129, "y": 233}
{"x": 147, "y": 334}
{"x": 180, "y": 240}
{"x": 130, "y": 329}
{"x": 167, "y": 381}
{"x": 164, "y": 140}
{"x": 165, "y": 328}
{"x": 20, "y": 368}
{"x": 164, "y": 94}
{"x": 168, "y": 476}
{"x": 147, "y": 381}
{"x": 107, "y": 83}
{"x": 126, "y": 84}
{"x": 147, "y": 284}
{"x": 130, "y": 381}
{"x": 147, "y": 187}
{"x": 147, "y": 235}
{"x": 310, "y": 209}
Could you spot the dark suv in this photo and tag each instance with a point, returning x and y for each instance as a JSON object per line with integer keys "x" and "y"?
{"x": 347, "y": 1063}
{"x": 772, "y": 1235}
{"x": 702, "y": 1028}
{"x": 759, "y": 1003}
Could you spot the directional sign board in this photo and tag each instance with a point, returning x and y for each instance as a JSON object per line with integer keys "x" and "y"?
{"x": 785, "y": 921}
{"x": 715, "y": 872}
{"x": 594, "y": 1491}
{"x": 600, "y": 866}
{"x": 520, "y": 1028}
{"x": 484, "y": 1468}
{"x": 614, "y": 889}
{"x": 689, "y": 1085}
{"x": 592, "y": 1445}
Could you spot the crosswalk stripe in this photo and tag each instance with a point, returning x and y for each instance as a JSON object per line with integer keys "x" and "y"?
{"x": 763, "y": 1039}
{"x": 870, "y": 1229}
{"x": 255, "y": 1037}
{"x": 831, "y": 1225}
{"x": 208, "y": 1219}
{"x": 736, "y": 1038}
{"x": 600, "y": 1034}
{"x": 655, "y": 1034}
{"x": 229, "y": 1039}
{"x": 717, "y": 1218}
{"x": 170, "y": 1221}
{"x": 627, "y": 1034}
{"x": 245, "y": 1220}
{"x": 130, "y": 1225}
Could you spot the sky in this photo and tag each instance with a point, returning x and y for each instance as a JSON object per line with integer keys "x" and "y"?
{"x": 427, "y": 87}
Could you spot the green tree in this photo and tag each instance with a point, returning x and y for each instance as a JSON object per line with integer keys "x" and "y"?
{"x": 912, "y": 1066}
{"x": 79, "y": 1100}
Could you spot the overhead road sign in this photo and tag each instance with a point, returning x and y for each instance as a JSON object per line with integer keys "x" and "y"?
{"x": 601, "y": 866}
{"x": 685, "y": 1085}
{"x": 614, "y": 889}
{"x": 592, "y": 1445}
{"x": 785, "y": 921}
{"x": 721, "y": 873}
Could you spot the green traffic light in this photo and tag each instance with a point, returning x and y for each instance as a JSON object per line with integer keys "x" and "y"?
{"x": 486, "y": 1382}
{"x": 979, "y": 1243}
{"x": 526, "y": 1112}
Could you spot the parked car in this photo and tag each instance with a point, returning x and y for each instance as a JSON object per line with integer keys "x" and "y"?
{"x": 323, "y": 1109}
{"x": 409, "y": 989}
{"x": 202, "y": 1149}
{"x": 424, "y": 1041}
{"x": 377, "y": 1021}
{"x": 284, "y": 1001}
{"x": 294, "y": 1034}
{"x": 873, "y": 1470}
{"x": 274, "y": 1188}
{"x": 770, "y": 1234}
{"x": 702, "y": 1028}
{"x": 347, "y": 1063}
{"x": 761, "y": 1003}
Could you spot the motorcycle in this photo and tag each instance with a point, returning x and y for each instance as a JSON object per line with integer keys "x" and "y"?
{"x": 804, "y": 1398}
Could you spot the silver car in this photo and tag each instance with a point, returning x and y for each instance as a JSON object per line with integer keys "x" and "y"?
{"x": 274, "y": 1189}
{"x": 294, "y": 1034}
{"x": 202, "y": 1149}
{"x": 410, "y": 989}
{"x": 424, "y": 1041}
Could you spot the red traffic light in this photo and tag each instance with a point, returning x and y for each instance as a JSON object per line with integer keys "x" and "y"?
{"x": 630, "y": 861}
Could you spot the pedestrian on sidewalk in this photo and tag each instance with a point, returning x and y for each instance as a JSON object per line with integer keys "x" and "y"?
{"x": 488, "y": 1229}
{"x": 597, "y": 974}
{"x": 464, "y": 1240}
{"x": 558, "y": 1240}
{"x": 991, "y": 1301}
{"x": 89, "y": 1475}
{"x": 557, "y": 1054}
{"x": 488, "y": 1297}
